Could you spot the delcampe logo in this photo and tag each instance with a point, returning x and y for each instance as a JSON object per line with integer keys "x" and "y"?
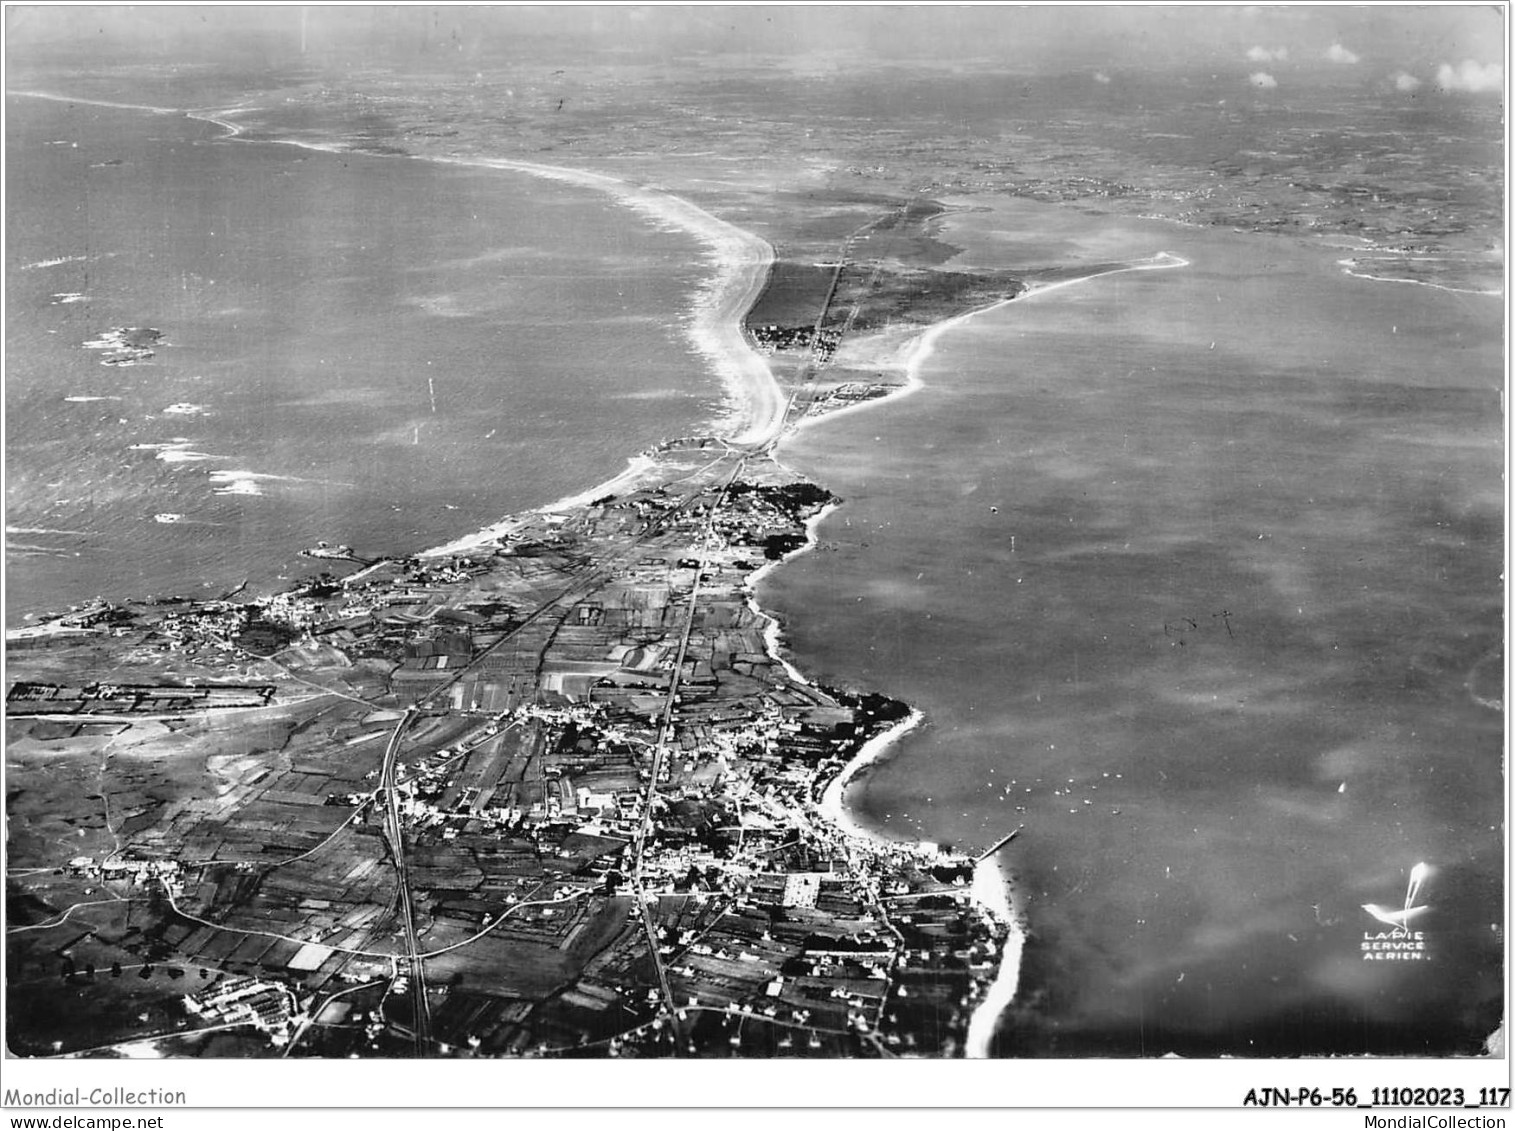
{"x": 1401, "y": 942}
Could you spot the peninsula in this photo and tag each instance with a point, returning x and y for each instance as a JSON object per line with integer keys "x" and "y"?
{"x": 548, "y": 789}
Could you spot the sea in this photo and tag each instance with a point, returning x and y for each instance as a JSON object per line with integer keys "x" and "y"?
{"x": 357, "y": 349}
{"x": 1194, "y": 573}
{"x": 1196, "y": 576}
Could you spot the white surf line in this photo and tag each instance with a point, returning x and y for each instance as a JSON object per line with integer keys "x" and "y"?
{"x": 90, "y": 101}
{"x": 873, "y": 750}
{"x": 918, "y": 349}
{"x": 1162, "y": 261}
{"x": 214, "y": 117}
{"x": 992, "y": 890}
{"x": 914, "y": 350}
{"x": 741, "y": 260}
{"x": 1346, "y": 266}
{"x": 766, "y": 409}
{"x": 993, "y": 893}
{"x": 198, "y": 115}
{"x": 636, "y": 467}
{"x": 772, "y": 630}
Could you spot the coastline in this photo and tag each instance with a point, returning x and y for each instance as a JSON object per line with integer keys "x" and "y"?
{"x": 1253, "y": 442}
{"x": 1351, "y": 262}
{"x": 773, "y": 630}
{"x": 908, "y": 357}
{"x": 740, "y": 263}
{"x": 740, "y": 260}
{"x": 93, "y": 102}
{"x": 1162, "y": 261}
{"x": 486, "y": 536}
{"x": 873, "y": 750}
{"x": 994, "y": 893}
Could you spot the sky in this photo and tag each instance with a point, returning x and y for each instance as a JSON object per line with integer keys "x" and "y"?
{"x": 1283, "y": 38}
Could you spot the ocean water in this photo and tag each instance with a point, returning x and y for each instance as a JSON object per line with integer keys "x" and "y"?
{"x": 1195, "y": 573}
{"x": 381, "y": 352}
{"x": 1214, "y": 624}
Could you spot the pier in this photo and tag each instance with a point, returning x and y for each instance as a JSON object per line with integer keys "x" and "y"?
{"x": 999, "y": 844}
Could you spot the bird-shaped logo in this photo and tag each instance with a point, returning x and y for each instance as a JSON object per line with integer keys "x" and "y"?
{"x": 1401, "y": 918}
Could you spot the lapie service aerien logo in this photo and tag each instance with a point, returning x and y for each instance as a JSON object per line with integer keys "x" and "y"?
{"x": 1401, "y": 942}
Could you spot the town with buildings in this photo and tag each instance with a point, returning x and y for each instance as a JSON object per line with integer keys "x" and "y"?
{"x": 549, "y": 792}
{"x": 571, "y": 750}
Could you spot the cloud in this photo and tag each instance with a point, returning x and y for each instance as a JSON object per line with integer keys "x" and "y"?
{"x": 1262, "y": 80}
{"x": 1267, "y": 54}
{"x": 1470, "y": 76}
{"x": 1339, "y": 54}
{"x": 1405, "y": 81}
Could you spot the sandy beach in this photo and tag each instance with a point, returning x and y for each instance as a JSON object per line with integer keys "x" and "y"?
{"x": 1353, "y": 266}
{"x": 993, "y": 893}
{"x": 740, "y": 260}
{"x": 637, "y": 468}
{"x": 739, "y": 263}
{"x": 438, "y": 484}
{"x": 773, "y": 630}
{"x": 831, "y": 800}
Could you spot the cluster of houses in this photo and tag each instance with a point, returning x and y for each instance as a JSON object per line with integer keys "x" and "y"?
{"x": 245, "y": 1000}
{"x": 129, "y": 869}
{"x": 209, "y": 624}
{"x": 770, "y": 339}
